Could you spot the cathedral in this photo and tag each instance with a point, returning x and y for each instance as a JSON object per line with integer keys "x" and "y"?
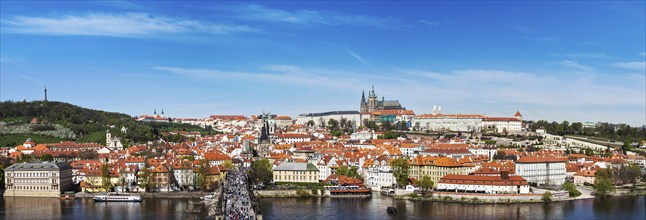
{"x": 373, "y": 104}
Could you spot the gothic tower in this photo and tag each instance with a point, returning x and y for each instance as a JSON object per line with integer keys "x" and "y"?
{"x": 364, "y": 105}
{"x": 372, "y": 100}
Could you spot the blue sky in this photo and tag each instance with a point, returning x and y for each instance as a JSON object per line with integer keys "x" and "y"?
{"x": 575, "y": 61}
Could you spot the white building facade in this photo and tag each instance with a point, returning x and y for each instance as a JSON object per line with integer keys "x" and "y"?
{"x": 542, "y": 170}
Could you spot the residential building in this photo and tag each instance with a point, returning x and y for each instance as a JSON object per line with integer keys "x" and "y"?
{"x": 500, "y": 184}
{"x": 37, "y": 179}
{"x": 296, "y": 172}
{"x": 542, "y": 170}
{"x": 584, "y": 176}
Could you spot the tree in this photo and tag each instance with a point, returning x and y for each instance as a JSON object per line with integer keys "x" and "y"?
{"x": 261, "y": 171}
{"x": 569, "y": 186}
{"x": 632, "y": 174}
{"x": 342, "y": 170}
{"x": 202, "y": 172}
{"x": 227, "y": 164}
{"x": 603, "y": 185}
{"x": 333, "y": 124}
{"x": 24, "y": 158}
{"x": 105, "y": 177}
{"x": 400, "y": 170}
{"x": 310, "y": 123}
{"x": 47, "y": 157}
{"x": 547, "y": 197}
{"x": 425, "y": 183}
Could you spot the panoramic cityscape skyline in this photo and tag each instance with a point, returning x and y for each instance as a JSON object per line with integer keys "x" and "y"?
{"x": 555, "y": 61}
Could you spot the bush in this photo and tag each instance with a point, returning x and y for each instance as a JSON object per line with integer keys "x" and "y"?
{"x": 475, "y": 199}
{"x": 302, "y": 193}
{"x": 547, "y": 197}
{"x": 571, "y": 188}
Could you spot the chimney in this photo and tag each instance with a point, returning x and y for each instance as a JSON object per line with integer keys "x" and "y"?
{"x": 504, "y": 175}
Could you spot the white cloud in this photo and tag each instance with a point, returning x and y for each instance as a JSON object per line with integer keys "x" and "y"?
{"x": 573, "y": 64}
{"x": 544, "y": 39}
{"x": 635, "y": 65}
{"x": 522, "y": 29}
{"x": 307, "y": 17}
{"x": 588, "y": 55}
{"x": 357, "y": 57}
{"x": 643, "y": 54}
{"x": 13, "y": 60}
{"x": 115, "y": 25}
{"x": 563, "y": 90}
{"x": 437, "y": 23}
{"x": 276, "y": 74}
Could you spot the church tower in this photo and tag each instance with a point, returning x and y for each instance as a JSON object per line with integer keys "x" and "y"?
{"x": 372, "y": 100}
{"x": 108, "y": 138}
{"x": 45, "y": 93}
{"x": 364, "y": 105}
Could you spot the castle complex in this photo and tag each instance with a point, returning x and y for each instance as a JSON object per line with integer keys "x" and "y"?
{"x": 373, "y": 104}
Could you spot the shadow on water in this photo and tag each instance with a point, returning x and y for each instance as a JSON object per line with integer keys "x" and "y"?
{"x": 326, "y": 208}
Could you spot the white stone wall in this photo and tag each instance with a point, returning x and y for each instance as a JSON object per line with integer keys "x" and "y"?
{"x": 542, "y": 173}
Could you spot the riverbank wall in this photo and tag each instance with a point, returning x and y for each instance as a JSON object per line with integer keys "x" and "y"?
{"x": 289, "y": 193}
{"x": 474, "y": 198}
{"x": 160, "y": 195}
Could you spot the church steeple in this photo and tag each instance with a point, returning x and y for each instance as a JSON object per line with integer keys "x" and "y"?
{"x": 364, "y": 104}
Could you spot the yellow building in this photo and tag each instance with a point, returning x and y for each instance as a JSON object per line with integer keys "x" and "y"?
{"x": 437, "y": 167}
{"x": 296, "y": 172}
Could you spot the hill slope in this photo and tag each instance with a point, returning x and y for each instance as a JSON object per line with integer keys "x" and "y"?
{"x": 64, "y": 121}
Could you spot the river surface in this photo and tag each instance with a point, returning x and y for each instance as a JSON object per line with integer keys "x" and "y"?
{"x": 326, "y": 208}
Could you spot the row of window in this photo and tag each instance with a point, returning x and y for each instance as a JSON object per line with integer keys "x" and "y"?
{"x": 32, "y": 181}
{"x": 30, "y": 174}
{"x": 288, "y": 177}
{"x": 33, "y": 187}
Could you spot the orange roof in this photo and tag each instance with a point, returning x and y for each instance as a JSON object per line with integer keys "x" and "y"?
{"x": 447, "y": 162}
{"x": 518, "y": 114}
{"x": 283, "y": 118}
{"x": 541, "y": 159}
{"x": 483, "y": 180}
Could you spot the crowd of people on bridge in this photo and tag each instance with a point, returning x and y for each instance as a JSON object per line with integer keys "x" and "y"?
{"x": 239, "y": 203}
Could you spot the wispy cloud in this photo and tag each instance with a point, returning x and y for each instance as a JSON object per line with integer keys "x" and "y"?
{"x": 643, "y": 54}
{"x": 115, "y": 25}
{"x": 437, "y": 23}
{"x": 522, "y": 29}
{"x": 275, "y": 74}
{"x": 570, "y": 63}
{"x": 25, "y": 77}
{"x": 13, "y": 60}
{"x": 635, "y": 65}
{"x": 357, "y": 56}
{"x": 307, "y": 17}
{"x": 544, "y": 39}
{"x": 588, "y": 55}
{"x": 511, "y": 87}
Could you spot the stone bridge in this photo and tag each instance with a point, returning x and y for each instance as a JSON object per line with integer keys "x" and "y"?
{"x": 236, "y": 198}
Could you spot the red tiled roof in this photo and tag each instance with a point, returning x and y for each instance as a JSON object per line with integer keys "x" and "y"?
{"x": 483, "y": 180}
{"x": 540, "y": 159}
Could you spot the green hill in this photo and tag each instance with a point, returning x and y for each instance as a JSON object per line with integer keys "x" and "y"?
{"x": 59, "y": 121}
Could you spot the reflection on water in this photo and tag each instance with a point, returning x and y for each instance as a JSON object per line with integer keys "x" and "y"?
{"x": 375, "y": 208}
{"x": 326, "y": 208}
{"x": 52, "y": 208}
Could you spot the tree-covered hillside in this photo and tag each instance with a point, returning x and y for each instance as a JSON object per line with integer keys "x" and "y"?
{"x": 65, "y": 121}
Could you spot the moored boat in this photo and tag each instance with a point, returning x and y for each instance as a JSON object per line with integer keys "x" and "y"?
{"x": 117, "y": 197}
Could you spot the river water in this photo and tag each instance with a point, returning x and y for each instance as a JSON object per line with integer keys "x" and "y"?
{"x": 327, "y": 208}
